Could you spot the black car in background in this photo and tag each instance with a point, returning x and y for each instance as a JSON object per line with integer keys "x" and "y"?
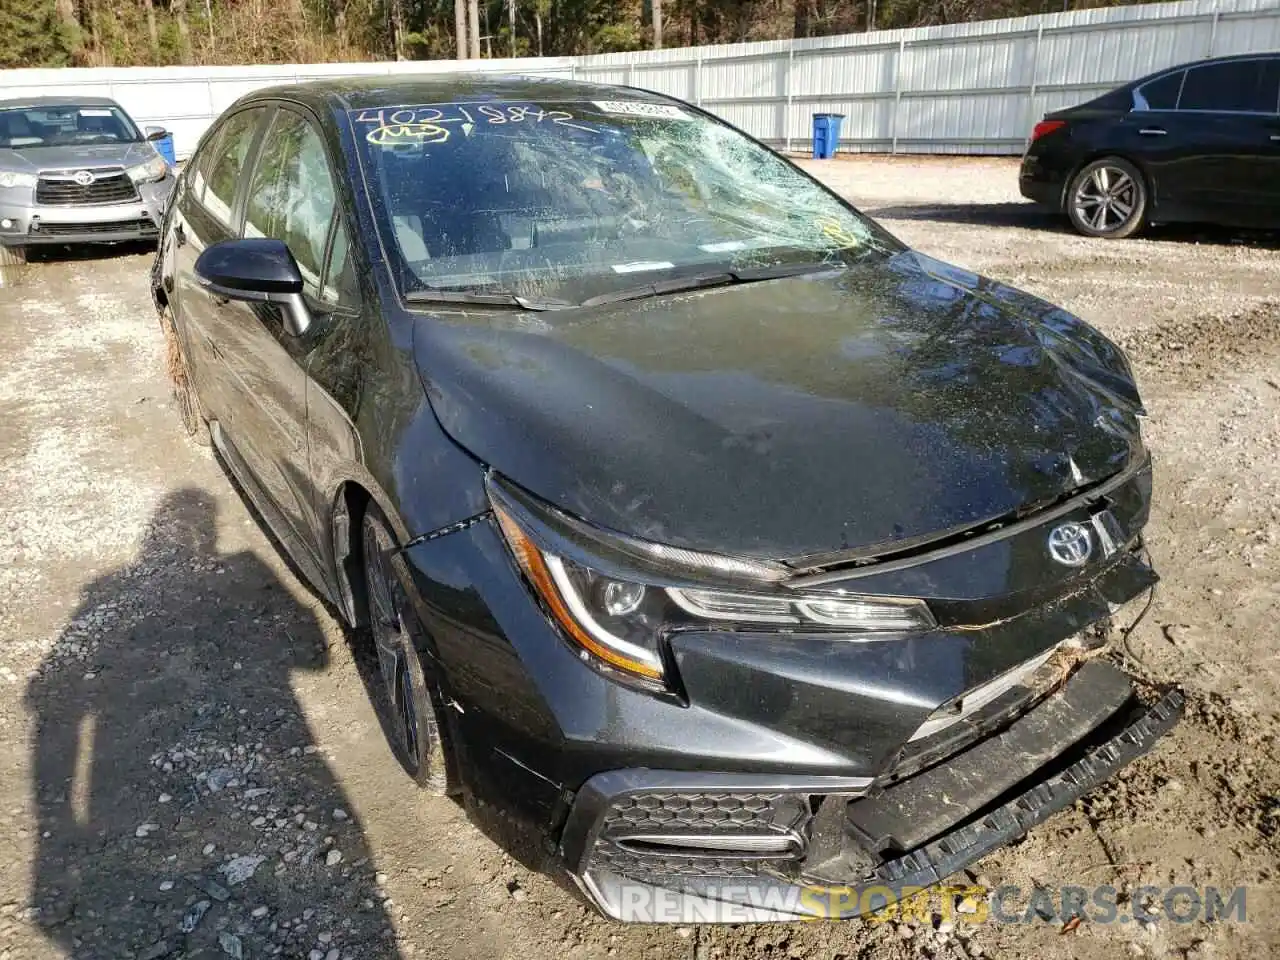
{"x": 718, "y": 551}
{"x": 1199, "y": 142}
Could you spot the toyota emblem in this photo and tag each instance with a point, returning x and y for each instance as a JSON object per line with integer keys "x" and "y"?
{"x": 83, "y": 177}
{"x": 1070, "y": 544}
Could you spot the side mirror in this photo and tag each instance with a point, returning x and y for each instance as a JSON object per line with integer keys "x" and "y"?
{"x": 155, "y": 133}
{"x": 256, "y": 270}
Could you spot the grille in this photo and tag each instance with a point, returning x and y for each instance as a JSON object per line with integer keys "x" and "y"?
{"x": 141, "y": 226}
{"x": 668, "y": 869}
{"x": 630, "y": 819}
{"x": 62, "y": 191}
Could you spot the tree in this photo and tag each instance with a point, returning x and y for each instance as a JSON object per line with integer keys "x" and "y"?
{"x": 33, "y": 35}
{"x": 126, "y": 32}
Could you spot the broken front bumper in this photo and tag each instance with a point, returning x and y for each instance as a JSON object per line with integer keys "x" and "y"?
{"x": 659, "y": 846}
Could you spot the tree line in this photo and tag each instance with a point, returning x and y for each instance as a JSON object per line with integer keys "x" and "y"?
{"x": 54, "y": 33}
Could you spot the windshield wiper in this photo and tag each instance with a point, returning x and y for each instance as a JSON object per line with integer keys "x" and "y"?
{"x": 700, "y": 281}
{"x": 434, "y": 295}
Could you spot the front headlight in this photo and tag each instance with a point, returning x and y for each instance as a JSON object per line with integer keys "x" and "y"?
{"x": 12, "y": 178}
{"x": 153, "y": 169}
{"x": 618, "y": 599}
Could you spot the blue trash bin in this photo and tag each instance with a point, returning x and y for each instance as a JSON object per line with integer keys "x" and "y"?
{"x": 826, "y": 134}
{"x": 164, "y": 146}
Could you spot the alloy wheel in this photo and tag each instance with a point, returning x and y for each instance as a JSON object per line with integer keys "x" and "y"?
{"x": 1106, "y": 199}
{"x": 392, "y": 643}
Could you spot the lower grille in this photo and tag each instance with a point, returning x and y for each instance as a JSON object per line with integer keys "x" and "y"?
{"x": 63, "y": 191}
{"x": 141, "y": 226}
{"x": 652, "y": 836}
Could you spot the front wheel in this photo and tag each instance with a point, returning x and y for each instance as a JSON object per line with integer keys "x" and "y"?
{"x": 409, "y": 704}
{"x": 1108, "y": 198}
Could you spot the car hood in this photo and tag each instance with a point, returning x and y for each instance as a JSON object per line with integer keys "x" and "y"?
{"x": 76, "y": 156}
{"x": 807, "y": 419}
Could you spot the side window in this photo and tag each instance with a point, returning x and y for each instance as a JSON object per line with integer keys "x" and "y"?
{"x": 1269, "y": 86}
{"x": 228, "y": 165}
{"x": 1232, "y": 86}
{"x": 1159, "y": 94}
{"x": 340, "y": 284}
{"x": 292, "y": 196}
{"x": 203, "y": 162}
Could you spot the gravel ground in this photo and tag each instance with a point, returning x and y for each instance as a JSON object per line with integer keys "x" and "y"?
{"x": 189, "y": 765}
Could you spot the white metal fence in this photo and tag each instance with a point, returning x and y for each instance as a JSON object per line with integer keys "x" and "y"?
{"x": 963, "y": 88}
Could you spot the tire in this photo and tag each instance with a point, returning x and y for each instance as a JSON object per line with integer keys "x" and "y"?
{"x": 1108, "y": 199}
{"x": 12, "y": 256}
{"x": 184, "y": 394}
{"x": 410, "y": 705}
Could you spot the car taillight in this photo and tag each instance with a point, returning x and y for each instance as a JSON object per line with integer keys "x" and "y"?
{"x": 1045, "y": 127}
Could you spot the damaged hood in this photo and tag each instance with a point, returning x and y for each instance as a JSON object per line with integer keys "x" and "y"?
{"x": 808, "y": 419}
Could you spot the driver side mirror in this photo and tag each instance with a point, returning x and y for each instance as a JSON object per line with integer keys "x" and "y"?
{"x": 155, "y": 133}
{"x": 260, "y": 270}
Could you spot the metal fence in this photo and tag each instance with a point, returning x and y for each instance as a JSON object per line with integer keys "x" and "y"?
{"x": 963, "y": 88}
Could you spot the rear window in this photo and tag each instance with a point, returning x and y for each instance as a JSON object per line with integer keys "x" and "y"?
{"x": 1159, "y": 94}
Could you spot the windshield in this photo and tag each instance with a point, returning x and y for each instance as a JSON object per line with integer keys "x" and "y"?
{"x": 571, "y": 200}
{"x": 63, "y": 125}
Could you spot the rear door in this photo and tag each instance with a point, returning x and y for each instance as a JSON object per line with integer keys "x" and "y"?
{"x": 206, "y": 213}
{"x": 1214, "y": 159}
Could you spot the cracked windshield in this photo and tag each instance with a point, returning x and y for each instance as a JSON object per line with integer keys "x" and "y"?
{"x": 568, "y": 201}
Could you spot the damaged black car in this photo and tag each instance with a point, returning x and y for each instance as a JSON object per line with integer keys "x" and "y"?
{"x": 716, "y": 549}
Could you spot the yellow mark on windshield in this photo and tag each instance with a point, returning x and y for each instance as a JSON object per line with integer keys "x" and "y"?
{"x": 834, "y": 230}
{"x": 392, "y": 134}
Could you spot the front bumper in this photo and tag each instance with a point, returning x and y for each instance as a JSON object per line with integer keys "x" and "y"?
{"x": 536, "y": 731}
{"x": 24, "y": 223}
{"x": 831, "y": 868}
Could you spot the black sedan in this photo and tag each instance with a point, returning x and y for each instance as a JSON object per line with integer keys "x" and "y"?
{"x": 718, "y": 551}
{"x": 1199, "y": 142}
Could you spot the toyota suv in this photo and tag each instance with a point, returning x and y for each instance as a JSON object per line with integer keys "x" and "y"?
{"x": 77, "y": 170}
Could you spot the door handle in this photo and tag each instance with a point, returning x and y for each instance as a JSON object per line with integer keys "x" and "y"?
{"x": 1275, "y": 136}
{"x": 179, "y": 236}
{"x": 1152, "y": 132}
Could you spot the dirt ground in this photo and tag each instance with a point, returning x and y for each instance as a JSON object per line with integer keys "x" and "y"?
{"x": 189, "y": 765}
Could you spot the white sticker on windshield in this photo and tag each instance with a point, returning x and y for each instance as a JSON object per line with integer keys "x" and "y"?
{"x": 640, "y": 266}
{"x": 635, "y": 108}
{"x": 729, "y": 246}
{"x": 94, "y": 112}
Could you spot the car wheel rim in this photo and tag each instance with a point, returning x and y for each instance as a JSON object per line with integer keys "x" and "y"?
{"x": 1106, "y": 199}
{"x": 389, "y": 634}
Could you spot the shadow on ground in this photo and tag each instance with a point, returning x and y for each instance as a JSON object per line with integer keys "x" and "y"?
{"x": 183, "y": 809}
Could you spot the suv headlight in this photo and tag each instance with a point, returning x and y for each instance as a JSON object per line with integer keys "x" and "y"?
{"x": 618, "y": 599}
{"x": 153, "y": 169}
{"x": 12, "y": 178}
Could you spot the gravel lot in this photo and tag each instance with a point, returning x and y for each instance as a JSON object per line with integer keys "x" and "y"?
{"x": 189, "y": 765}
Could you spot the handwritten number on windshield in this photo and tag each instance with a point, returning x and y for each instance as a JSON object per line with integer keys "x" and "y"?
{"x": 428, "y": 124}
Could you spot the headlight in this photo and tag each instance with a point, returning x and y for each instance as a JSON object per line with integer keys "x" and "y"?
{"x": 618, "y": 602}
{"x": 153, "y": 169}
{"x": 11, "y": 178}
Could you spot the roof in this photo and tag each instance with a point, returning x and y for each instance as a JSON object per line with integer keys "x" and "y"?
{"x": 57, "y": 102}
{"x": 360, "y": 93}
{"x": 1207, "y": 61}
